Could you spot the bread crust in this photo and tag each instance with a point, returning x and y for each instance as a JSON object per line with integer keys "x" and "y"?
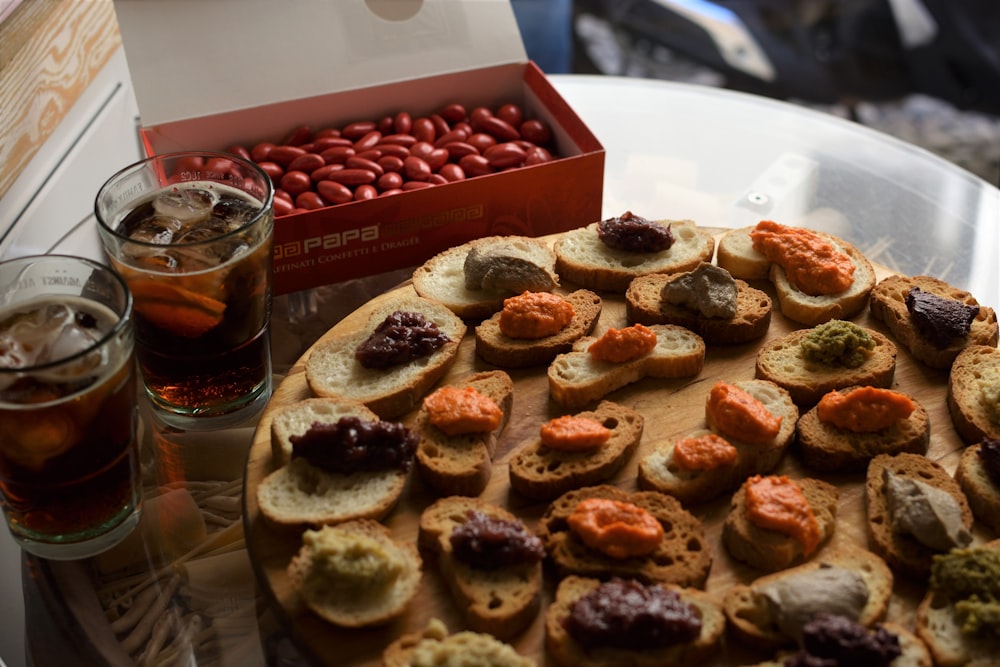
{"x": 576, "y": 378}
{"x": 658, "y": 472}
{"x": 752, "y": 620}
{"x": 359, "y": 611}
{"x": 540, "y": 472}
{"x": 771, "y": 550}
{"x": 980, "y": 490}
{"x": 903, "y": 553}
{"x": 888, "y": 306}
{"x": 501, "y": 601}
{"x": 568, "y": 653}
{"x": 644, "y": 304}
{"x": 583, "y": 259}
{"x": 827, "y": 448}
{"x": 966, "y": 405}
{"x": 781, "y": 361}
{"x": 683, "y": 556}
{"x": 494, "y": 347}
{"x": 463, "y": 464}
{"x": 332, "y": 370}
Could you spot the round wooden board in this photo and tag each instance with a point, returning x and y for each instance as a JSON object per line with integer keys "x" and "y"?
{"x": 671, "y": 408}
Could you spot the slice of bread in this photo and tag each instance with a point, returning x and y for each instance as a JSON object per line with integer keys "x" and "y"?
{"x": 492, "y": 346}
{"x": 781, "y": 361}
{"x": 521, "y": 262}
{"x": 938, "y": 626}
{"x": 753, "y": 619}
{"x": 375, "y": 607}
{"x": 475, "y": 647}
{"x": 738, "y": 256}
{"x": 982, "y": 493}
{"x": 584, "y": 259}
{"x": 299, "y": 494}
{"x": 827, "y": 448}
{"x": 975, "y": 369}
{"x": 683, "y": 556}
{"x": 904, "y": 553}
{"x": 568, "y": 653}
{"x": 295, "y": 419}
{"x": 576, "y": 378}
{"x": 659, "y": 472}
{"x": 644, "y": 303}
{"x": 888, "y": 305}
{"x": 502, "y": 600}
{"x": 463, "y": 464}
{"x": 914, "y": 651}
{"x": 540, "y": 472}
{"x": 332, "y": 370}
{"x": 771, "y": 550}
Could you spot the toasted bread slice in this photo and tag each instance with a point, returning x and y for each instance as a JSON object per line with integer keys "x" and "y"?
{"x": 888, "y": 305}
{"x": 914, "y": 651}
{"x": 904, "y": 553}
{"x": 973, "y": 385}
{"x": 494, "y": 347}
{"x": 576, "y": 378}
{"x": 771, "y": 550}
{"x": 462, "y": 464}
{"x": 567, "y": 652}
{"x": 584, "y": 259}
{"x": 435, "y": 640}
{"x": 500, "y": 267}
{"x": 982, "y": 493}
{"x": 644, "y": 303}
{"x": 683, "y": 556}
{"x": 782, "y": 362}
{"x": 326, "y": 597}
{"x": 939, "y": 627}
{"x": 659, "y": 472}
{"x": 295, "y": 419}
{"x": 753, "y": 617}
{"x": 501, "y": 600}
{"x": 540, "y": 472}
{"x": 738, "y": 256}
{"x": 332, "y": 370}
{"x": 827, "y": 448}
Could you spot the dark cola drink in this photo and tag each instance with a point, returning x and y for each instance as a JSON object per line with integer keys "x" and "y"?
{"x": 69, "y": 464}
{"x": 198, "y": 261}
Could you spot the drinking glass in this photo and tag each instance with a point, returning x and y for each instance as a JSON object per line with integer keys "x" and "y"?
{"x": 192, "y": 235}
{"x": 70, "y": 478}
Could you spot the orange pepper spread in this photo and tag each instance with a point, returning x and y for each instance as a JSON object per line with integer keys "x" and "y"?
{"x": 865, "y": 409}
{"x": 812, "y": 263}
{"x": 574, "y": 434}
{"x": 535, "y": 315}
{"x": 615, "y": 528}
{"x": 740, "y": 416}
{"x": 705, "y": 452}
{"x": 462, "y": 411}
{"x": 777, "y": 503}
{"x": 620, "y": 345}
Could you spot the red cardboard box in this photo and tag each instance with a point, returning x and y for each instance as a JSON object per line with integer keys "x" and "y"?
{"x": 253, "y": 73}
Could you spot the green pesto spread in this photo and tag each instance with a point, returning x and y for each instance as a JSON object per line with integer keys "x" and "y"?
{"x": 970, "y": 578}
{"x": 837, "y": 343}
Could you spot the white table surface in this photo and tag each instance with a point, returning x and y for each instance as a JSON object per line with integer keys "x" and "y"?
{"x": 721, "y": 158}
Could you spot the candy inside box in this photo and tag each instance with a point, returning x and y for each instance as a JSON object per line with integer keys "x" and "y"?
{"x": 258, "y": 70}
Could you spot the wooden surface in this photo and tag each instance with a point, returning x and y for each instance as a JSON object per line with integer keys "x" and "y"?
{"x": 671, "y": 408}
{"x": 50, "y": 51}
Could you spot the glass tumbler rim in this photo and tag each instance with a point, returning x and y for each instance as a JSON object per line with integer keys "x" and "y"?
{"x": 266, "y": 202}
{"x": 124, "y": 319}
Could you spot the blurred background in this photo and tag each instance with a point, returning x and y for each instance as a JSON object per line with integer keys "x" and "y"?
{"x": 925, "y": 71}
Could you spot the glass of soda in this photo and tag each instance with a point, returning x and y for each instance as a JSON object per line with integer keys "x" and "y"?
{"x": 70, "y": 481}
{"x": 192, "y": 234}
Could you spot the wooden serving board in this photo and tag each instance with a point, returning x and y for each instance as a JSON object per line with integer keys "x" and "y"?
{"x": 671, "y": 408}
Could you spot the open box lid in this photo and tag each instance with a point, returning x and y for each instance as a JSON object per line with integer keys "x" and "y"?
{"x": 194, "y": 58}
